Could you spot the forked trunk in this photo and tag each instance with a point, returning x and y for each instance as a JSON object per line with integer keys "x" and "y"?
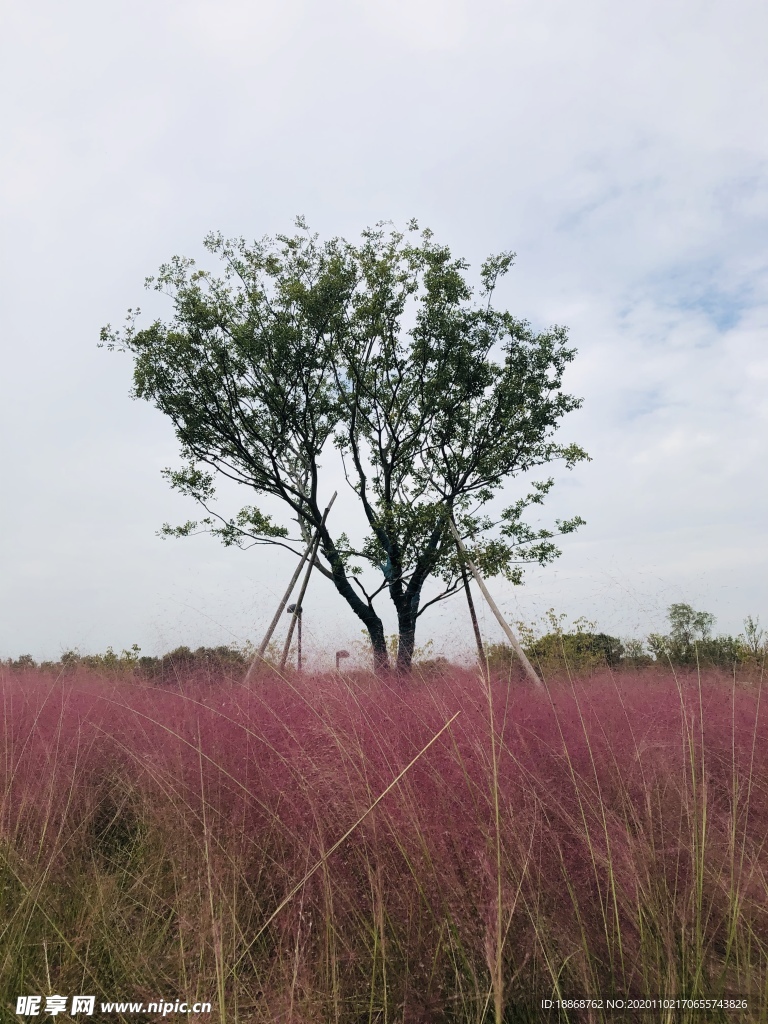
{"x": 363, "y": 611}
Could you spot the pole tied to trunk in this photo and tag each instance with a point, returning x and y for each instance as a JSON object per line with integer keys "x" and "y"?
{"x": 309, "y": 553}
{"x": 530, "y": 670}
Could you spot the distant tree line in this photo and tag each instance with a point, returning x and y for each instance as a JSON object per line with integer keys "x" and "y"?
{"x": 689, "y": 643}
{"x": 178, "y": 663}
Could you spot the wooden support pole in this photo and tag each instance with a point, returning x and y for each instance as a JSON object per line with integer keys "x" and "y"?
{"x": 310, "y": 566}
{"x": 472, "y": 612}
{"x": 501, "y": 620}
{"x": 273, "y": 624}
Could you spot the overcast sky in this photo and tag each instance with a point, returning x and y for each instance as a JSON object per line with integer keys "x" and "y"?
{"x": 619, "y": 149}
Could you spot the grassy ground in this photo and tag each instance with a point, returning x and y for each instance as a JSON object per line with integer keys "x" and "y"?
{"x": 341, "y": 849}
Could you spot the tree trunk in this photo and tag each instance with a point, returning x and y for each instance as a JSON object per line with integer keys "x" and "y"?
{"x": 375, "y": 629}
{"x": 406, "y": 622}
{"x": 363, "y": 611}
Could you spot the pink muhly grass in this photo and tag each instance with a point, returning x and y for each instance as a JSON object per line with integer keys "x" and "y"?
{"x": 611, "y": 838}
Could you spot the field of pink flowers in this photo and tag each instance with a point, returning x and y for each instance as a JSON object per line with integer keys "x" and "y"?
{"x": 344, "y": 849}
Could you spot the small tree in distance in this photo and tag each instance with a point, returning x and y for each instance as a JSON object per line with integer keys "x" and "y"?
{"x": 433, "y": 401}
{"x": 687, "y": 626}
{"x": 690, "y": 640}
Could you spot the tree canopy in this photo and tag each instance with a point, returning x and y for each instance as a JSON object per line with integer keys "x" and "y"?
{"x": 433, "y": 399}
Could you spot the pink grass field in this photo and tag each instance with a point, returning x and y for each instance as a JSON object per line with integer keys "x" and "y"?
{"x": 604, "y": 840}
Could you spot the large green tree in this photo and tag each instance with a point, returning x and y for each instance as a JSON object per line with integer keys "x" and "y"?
{"x": 433, "y": 399}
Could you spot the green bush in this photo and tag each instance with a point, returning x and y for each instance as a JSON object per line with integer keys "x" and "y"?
{"x": 578, "y": 650}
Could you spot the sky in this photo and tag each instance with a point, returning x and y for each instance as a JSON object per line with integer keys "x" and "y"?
{"x": 619, "y": 149}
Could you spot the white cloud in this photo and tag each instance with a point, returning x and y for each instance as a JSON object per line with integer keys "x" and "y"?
{"x": 239, "y": 32}
{"x": 418, "y": 24}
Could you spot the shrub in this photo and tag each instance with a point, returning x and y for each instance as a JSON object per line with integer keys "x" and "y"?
{"x": 204, "y": 661}
{"x": 24, "y": 661}
{"x": 558, "y": 650}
